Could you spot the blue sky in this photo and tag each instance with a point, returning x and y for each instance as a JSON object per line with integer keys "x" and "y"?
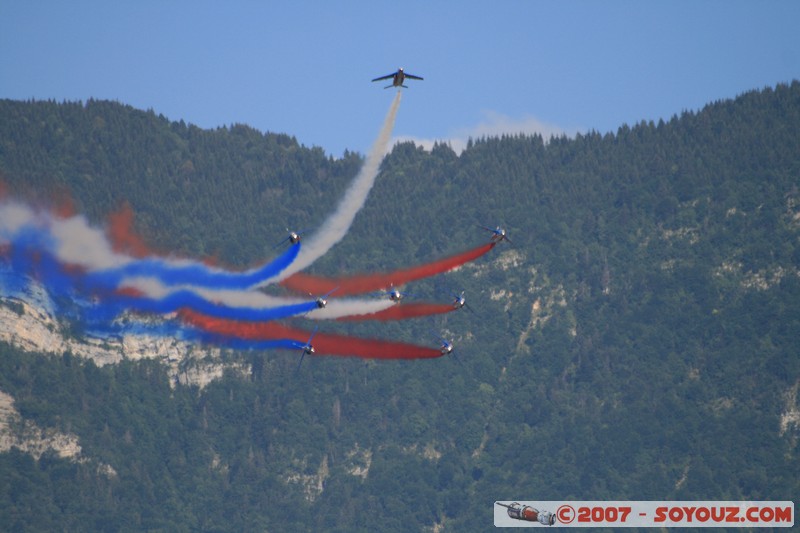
{"x": 304, "y": 68}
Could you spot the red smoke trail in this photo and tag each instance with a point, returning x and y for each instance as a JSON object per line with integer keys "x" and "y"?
{"x": 324, "y": 343}
{"x": 123, "y": 239}
{"x": 303, "y": 283}
{"x": 64, "y": 204}
{"x": 57, "y": 200}
{"x": 401, "y": 312}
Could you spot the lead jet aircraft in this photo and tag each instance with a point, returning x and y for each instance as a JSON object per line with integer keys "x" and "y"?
{"x": 398, "y": 78}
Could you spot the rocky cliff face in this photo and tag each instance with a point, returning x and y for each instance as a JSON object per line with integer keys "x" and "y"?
{"x": 28, "y": 324}
{"x": 15, "y": 432}
{"x": 32, "y": 328}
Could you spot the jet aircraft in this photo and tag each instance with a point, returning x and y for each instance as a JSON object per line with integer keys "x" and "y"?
{"x": 396, "y": 295}
{"x": 459, "y": 301}
{"x": 397, "y": 78}
{"x": 498, "y": 234}
{"x": 445, "y": 347}
{"x": 322, "y": 301}
{"x": 293, "y": 237}
{"x": 307, "y": 348}
{"x": 393, "y": 293}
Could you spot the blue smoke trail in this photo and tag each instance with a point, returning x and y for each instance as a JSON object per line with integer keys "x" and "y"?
{"x": 235, "y": 343}
{"x": 194, "y": 274}
{"x": 27, "y": 258}
{"x": 70, "y": 289}
{"x": 115, "y": 304}
{"x": 31, "y": 271}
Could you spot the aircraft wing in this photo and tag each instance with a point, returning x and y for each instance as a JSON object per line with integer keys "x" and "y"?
{"x": 413, "y": 77}
{"x": 387, "y": 77}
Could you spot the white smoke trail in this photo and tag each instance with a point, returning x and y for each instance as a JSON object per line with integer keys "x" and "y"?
{"x": 152, "y": 288}
{"x": 78, "y": 243}
{"x": 340, "y": 308}
{"x": 338, "y": 223}
{"x": 74, "y": 241}
{"x": 155, "y": 289}
{"x": 13, "y": 217}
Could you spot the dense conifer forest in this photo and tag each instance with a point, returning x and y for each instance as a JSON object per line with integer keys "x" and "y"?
{"x": 638, "y": 340}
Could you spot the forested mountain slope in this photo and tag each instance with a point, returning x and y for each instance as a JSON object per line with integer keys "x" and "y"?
{"x": 639, "y": 339}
